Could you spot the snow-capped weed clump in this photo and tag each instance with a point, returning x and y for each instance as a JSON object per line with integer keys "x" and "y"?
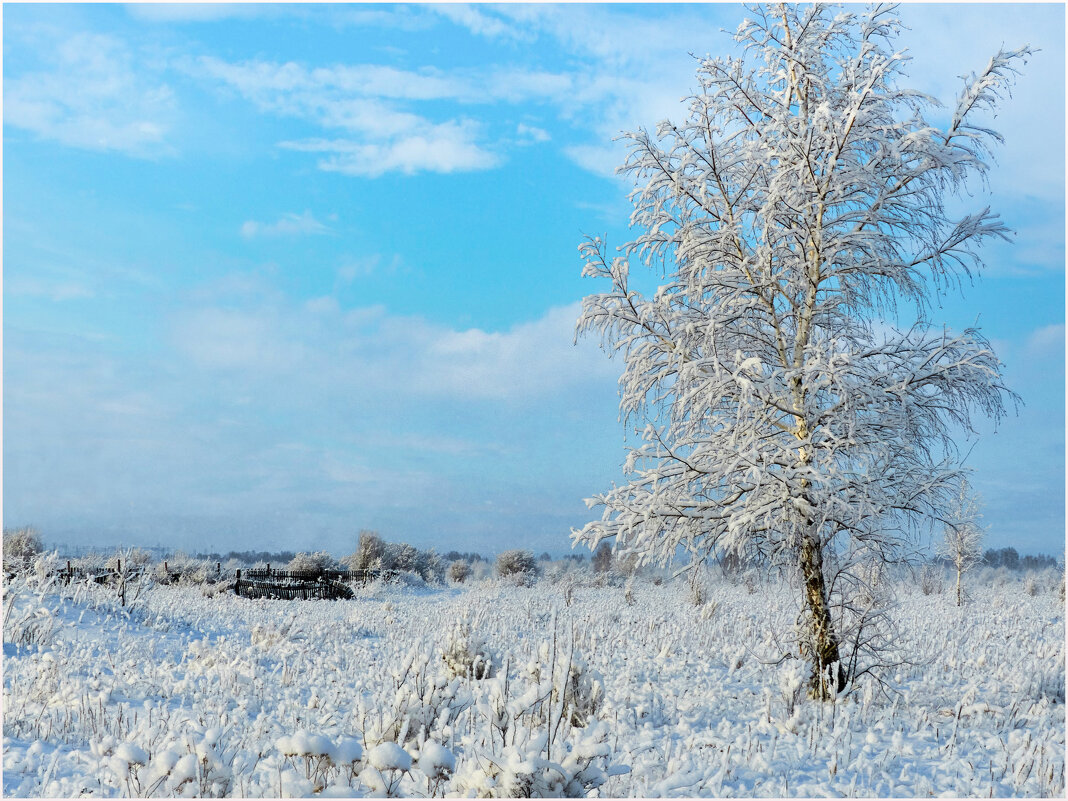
{"x": 467, "y": 654}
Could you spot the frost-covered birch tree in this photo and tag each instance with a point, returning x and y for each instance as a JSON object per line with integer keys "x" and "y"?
{"x": 795, "y": 217}
{"x": 962, "y": 540}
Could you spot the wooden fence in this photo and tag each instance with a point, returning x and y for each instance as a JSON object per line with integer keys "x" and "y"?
{"x": 358, "y": 576}
{"x": 99, "y": 575}
{"x": 288, "y": 590}
{"x": 265, "y": 582}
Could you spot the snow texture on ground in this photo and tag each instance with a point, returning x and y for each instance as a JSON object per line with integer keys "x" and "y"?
{"x": 182, "y": 694}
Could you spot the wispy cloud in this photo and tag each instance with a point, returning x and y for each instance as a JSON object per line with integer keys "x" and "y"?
{"x": 92, "y": 95}
{"x": 287, "y": 225}
{"x": 200, "y": 12}
{"x": 529, "y": 134}
{"x": 478, "y": 21}
{"x": 1046, "y": 341}
{"x": 320, "y": 344}
{"x": 360, "y": 101}
{"x": 58, "y": 291}
{"x": 445, "y": 148}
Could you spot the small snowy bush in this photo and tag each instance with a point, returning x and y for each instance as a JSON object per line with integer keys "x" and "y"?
{"x": 932, "y": 580}
{"x": 1031, "y": 584}
{"x": 21, "y": 546}
{"x": 519, "y": 566}
{"x": 312, "y": 562}
{"x": 459, "y": 571}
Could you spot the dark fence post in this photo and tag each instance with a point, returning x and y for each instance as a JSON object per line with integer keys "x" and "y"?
{"x": 218, "y": 568}
{"x": 166, "y": 569}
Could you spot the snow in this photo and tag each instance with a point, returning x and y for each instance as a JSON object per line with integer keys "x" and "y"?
{"x": 435, "y": 760}
{"x": 389, "y": 756}
{"x": 178, "y": 696}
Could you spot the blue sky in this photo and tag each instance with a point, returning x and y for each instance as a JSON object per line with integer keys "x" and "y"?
{"x": 273, "y": 274}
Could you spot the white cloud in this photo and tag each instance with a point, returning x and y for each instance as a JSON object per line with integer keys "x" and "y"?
{"x": 444, "y": 148}
{"x": 476, "y": 20}
{"x": 364, "y": 266}
{"x": 92, "y": 96}
{"x": 945, "y": 45}
{"x": 1046, "y": 341}
{"x": 601, "y": 160}
{"x": 359, "y": 100}
{"x": 319, "y": 344}
{"x": 195, "y": 12}
{"x": 531, "y": 133}
{"x": 55, "y": 290}
{"x": 229, "y": 339}
{"x": 287, "y": 225}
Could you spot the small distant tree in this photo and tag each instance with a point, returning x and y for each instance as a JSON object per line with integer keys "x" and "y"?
{"x": 370, "y": 549}
{"x": 518, "y": 565}
{"x": 602, "y": 558}
{"x": 404, "y": 557}
{"x": 21, "y": 546}
{"x": 793, "y": 218}
{"x": 962, "y": 540}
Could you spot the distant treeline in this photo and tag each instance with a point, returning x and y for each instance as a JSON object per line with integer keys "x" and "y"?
{"x": 285, "y": 557}
{"x": 249, "y": 557}
{"x": 1009, "y": 558}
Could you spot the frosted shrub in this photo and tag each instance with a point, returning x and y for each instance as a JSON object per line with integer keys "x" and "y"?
{"x": 21, "y": 546}
{"x": 518, "y": 566}
{"x": 312, "y": 562}
{"x": 459, "y": 571}
{"x": 582, "y": 691}
{"x": 407, "y": 578}
{"x": 129, "y": 559}
{"x": 568, "y": 584}
{"x": 188, "y": 570}
{"x": 544, "y": 740}
{"x": 1031, "y": 584}
{"x": 932, "y": 580}
{"x": 466, "y": 654}
{"x": 31, "y": 622}
{"x": 698, "y": 593}
{"x": 792, "y": 686}
{"x": 602, "y": 558}
{"x": 423, "y": 704}
{"x": 708, "y": 611}
{"x": 751, "y": 581}
{"x": 369, "y": 552}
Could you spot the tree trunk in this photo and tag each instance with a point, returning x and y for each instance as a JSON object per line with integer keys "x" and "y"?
{"x": 824, "y": 643}
{"x": 958, "y": 586}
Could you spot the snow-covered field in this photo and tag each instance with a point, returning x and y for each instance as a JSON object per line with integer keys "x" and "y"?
{"x": 184, "y": 694}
